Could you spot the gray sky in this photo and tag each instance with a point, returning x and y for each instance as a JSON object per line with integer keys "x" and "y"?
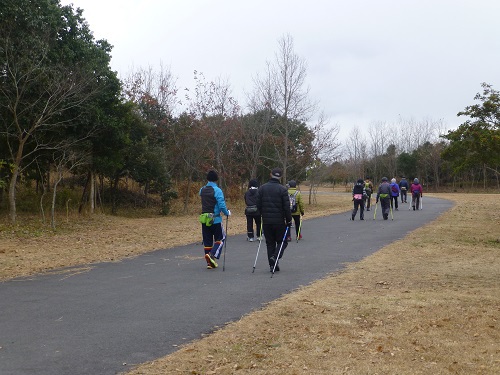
{"x": 367, "y": 61}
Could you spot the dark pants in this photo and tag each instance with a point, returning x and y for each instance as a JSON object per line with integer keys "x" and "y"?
{"x": 250, "y": 221}
{"x": 368, "y": 201}
{"x": 359, "y": 203}
{"x": 213, "y": 239}
{"x": 403, "y": 196}
{"x": 385, "y": 204}
{"x": 394, "y": 199}
{"x": 296, "y": 219}
{"x": 274, "y": 238}
{"x": 416, "y": 201}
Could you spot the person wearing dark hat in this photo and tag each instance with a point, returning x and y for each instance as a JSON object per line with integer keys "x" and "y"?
{"x": 369, "y": 191}
{"x": 212, "y": 205}
{"x": 273, "y": 203}
{"x": 251, "y": 211}
{"x": 296, "y": 207}
{"x": 416, "y": 193}
{"x": 358, "y": 197}
{"x": 384, "y": 195}
{"x": 403, "y": 188}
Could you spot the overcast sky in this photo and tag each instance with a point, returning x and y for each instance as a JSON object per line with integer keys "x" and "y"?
{"x": 367, "y": 61}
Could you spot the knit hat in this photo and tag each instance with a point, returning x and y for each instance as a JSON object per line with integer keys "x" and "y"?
{"x": 360, "y": 181}
{"x": 292, "y": 183}
{"x": 415, "y": 181}
{"x": 253, "y": 183}
{"x": 212, "y": 176}
{"x": 384, "y": 179}
{"x": 276, "y": 173}
{"x": 393, "y": 180}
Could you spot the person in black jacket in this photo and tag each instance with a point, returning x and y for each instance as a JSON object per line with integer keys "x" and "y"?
{"x": 273, "y": 203}
{"x": 251, "y": 211}
{"x": 358, "y": 197}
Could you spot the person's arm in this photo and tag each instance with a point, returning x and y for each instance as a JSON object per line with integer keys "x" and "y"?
{"x": 221, "y": 202}
{"x": 285, "y": 199}
{"x": 300, "y": 203}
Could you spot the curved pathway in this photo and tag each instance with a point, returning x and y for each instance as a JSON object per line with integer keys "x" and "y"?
{"x": 116, "y": 315}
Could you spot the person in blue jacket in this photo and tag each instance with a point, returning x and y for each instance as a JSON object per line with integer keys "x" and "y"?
{"x": 394, "y": 194}
{"x": 404, "y": 187}
{"x": 212, "y": 205}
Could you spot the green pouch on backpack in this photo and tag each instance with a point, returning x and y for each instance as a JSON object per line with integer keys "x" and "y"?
{"x": 207, "y": 219}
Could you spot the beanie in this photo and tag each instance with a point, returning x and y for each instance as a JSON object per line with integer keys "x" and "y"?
{"x": 292, "y": 183}
{"x": 212, "y": 176}
{"x": 276, "y": 173}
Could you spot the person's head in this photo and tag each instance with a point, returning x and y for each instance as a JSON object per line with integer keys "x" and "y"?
{"x": 212, "y": 176}
{"x": 360, "y": 181}
{"x": 292, "y": 183}
{"x": 384, "y": 179}
{"x": 253, "y": 183}
{"x": 403, "y": 178}
{"x": 276, "y": 173}
{"x": 393, "y": 180}
{"x": 415, "y": 181}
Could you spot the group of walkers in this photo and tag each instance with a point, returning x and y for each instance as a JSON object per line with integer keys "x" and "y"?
{"x": 272, "y": 208}
{"x": 388, "y": 194}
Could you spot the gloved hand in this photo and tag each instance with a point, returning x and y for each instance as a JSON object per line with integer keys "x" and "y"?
{"x": 289, "y": 224}
{"x": 228, "y": 212}
{"x": 421, "y": 195}
{"x": 302, "y": 213}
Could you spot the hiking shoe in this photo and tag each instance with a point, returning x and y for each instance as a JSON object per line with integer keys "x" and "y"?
{"x": 251, "y": 239}
{"x": 211, "y": 261}
{"x": 209, "y": 267}
{"x": 300, "y": 236}
{"x": 275, "y": 269}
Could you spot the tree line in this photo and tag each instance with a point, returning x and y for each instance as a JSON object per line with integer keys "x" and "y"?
{"x": 64, "y": 112}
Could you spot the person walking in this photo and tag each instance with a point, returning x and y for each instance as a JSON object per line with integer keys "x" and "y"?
{"x": 369, "y": 192}
{"x": 273, "y": 203}
{"x": 416, "y": 193}
{"x": 394, "y": 194}
{"x": 384, "y": 195}
{"x": 212, "y": 205}
{"x": 359, "y": 196}
{"x": 403, "y": 188}
{"x": 296, "y": 208}
{"x": 251, "y": 211}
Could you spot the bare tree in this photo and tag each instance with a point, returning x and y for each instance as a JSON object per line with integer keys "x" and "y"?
{"x": 356, "y": 150}
{"x": 290, "y": 97}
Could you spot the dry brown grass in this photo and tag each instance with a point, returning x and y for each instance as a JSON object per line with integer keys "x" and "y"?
{"x": 427, "y": 304}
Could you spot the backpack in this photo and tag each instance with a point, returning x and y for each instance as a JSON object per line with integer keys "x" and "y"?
{"x": 293, "y": 201}
{"x": 367, "y": 188}
{"x": 394, "y": 189}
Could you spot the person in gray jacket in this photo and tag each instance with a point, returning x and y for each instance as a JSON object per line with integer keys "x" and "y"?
{"x": 384, "y": 195}
{"x": 273, "y": 203}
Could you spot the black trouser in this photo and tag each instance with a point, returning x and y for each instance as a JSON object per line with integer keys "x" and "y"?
{"x": 385, "y": 204}
{"x": 416, "y": 201}
{"x": 274, "y": 238}
{"x": 395, "y": 200}
{"x": 359, "y": 203}
{"x": 403, "y": 196}
{"x": 250, "y": 220}
{"x": 296, "y": 219}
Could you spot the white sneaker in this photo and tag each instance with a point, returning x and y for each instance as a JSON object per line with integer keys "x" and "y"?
{"x": 251, "y": 239}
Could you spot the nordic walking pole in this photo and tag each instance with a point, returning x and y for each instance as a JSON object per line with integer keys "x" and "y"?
{"x": 260, "y": 242}
{"x": 421, "y": 203}
{"x": 375, "y": 213}
{"x": 411, "y": 199}
{"x": 225, "y": 246}
{"x": 279, "y": 252}
{"x": 392, "y": 217}
{"x": 300, "y": 226}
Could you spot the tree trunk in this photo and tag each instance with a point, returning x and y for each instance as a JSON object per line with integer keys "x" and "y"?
{"x": 92, "y": 192}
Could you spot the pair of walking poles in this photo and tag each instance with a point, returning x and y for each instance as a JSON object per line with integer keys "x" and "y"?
{"x": 281, "y": 247}
{"x": 375, "y": 213}
{"x": 411, "y": 200}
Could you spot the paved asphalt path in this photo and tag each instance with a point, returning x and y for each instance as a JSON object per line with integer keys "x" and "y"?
{"x": 105, "y": 320}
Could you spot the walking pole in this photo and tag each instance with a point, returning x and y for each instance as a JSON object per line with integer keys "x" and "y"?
{"x": 298, "y": 233}
{"x": 421, "y": 204}
{"x": 225, "y": 246}
{"x": 411, "y": 199}
{"x": 375, "y": 213}
{"x": 279, "y": 252}
{"x": 260, "y": 242}
{"x": 392, "y": 217}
